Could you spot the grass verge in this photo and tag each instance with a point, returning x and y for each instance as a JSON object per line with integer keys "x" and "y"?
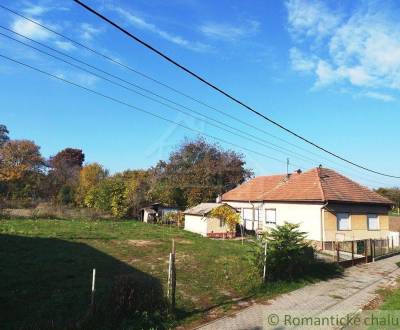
{"x": 46, "y": 267}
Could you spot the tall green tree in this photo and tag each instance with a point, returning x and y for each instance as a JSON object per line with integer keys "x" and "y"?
{"x": 90, "y": 176}
{"x": 136, "y": 195}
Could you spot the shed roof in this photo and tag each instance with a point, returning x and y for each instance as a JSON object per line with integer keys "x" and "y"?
{"x": 203, "y": 208}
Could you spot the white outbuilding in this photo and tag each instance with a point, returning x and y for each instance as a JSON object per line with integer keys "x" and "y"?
{"x": 197, "y": 220}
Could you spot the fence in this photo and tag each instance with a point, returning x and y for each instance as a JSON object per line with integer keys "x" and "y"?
{"x": 348, "y": 253}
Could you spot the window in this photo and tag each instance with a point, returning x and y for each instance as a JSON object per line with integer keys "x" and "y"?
{"x": 270, "y": 216}
{"x": 343, "y": 221}
{"x": 373, "y": 222}
{"x": 248, "y": 214}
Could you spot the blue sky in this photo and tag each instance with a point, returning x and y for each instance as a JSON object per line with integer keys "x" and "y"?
{"x": 328, "y": 70}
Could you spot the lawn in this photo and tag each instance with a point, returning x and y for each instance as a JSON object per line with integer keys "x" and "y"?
{"x": 46, "y": 268}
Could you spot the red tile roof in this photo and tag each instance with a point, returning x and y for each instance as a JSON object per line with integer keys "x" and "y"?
{"x": 315, "y": 185}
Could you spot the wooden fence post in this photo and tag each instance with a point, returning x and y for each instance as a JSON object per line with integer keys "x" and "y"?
{"x": 333, "y": 248}
{"x": 371, "y": 248}
{"x": 373, "y": 251}
{"x": 337, "y": 251}
{"x": 352, "y": 253}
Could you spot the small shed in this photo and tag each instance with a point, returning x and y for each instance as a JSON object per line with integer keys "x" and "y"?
{"x": 197, "y": 220}
{"x": 156, "y": 212}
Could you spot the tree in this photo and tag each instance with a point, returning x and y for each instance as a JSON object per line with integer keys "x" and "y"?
{"x": 19, "y": 158}
{"x": 137, "y": 184}
{"x": 66, "y": 195}
{"x": 228, "y": 215}
{"x": 65, "y": 167}
{"x": 69, "y": 156}
{"x": 90, "y": 176}
{"x": 391, "y": 193}
{"x": 197, "y": 172}
{"x": 3, "y": 134}
{"x": 289, "y": 255}
{"x": 108, "y": 196}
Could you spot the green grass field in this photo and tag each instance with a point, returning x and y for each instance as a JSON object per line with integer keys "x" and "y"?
{"x": 46, "y": 268}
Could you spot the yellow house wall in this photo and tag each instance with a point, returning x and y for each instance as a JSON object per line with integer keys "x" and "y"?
{"x": 213, "y": 225}
{"x": 358, "y": 225}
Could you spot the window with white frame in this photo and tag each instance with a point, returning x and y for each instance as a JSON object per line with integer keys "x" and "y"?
{"x": 373, "y": 222}
{"x": 343, "y": 221}
{"x": 270, "y": 216}
{"x": 248, "y": 214}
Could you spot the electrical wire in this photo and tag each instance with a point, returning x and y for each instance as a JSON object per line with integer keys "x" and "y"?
{"x": 226, "y": 94}
{"x": 115, "y": 100}
{"x": 245, "y": 135}
{"x": 165, "y": 85}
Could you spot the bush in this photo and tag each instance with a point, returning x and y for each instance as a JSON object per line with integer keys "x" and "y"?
{"x": 108, "y": 196}
{"x": 136, "y": 301}
{"x": 66, "y": 195}
{"x": 228, "y": 215}
{"x": 177, "y": 218}
{"x": 289, "y": 255}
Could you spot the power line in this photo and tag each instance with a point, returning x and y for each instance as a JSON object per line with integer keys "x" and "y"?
{"x": 165, "y": 85}
{"x": 114, "y": 61}
{"x": 221, "y": 91}
{"x": 111, "y": 98}
{"x": 246, "y": 135}
{"x": 137, "y": 86}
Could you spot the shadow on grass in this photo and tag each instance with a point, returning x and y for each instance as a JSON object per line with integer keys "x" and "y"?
{"x": 46, "y": 284}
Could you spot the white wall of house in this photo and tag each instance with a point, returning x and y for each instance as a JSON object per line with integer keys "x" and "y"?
{"x": 307, "y": 215}
{"x": 196, "y": 224}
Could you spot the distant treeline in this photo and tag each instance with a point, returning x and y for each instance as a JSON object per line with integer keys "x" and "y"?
{"x": 195, "y": 172}
{"x": 393, "y": 194}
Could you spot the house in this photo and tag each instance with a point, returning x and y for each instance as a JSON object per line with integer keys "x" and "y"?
{"x": 156, "y": 212}
{"x": 327, "y": 205}
{"x": 198, "y": 220}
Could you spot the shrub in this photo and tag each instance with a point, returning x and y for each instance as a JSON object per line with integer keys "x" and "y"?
{"x": 177, "y": 218}
{"x": 289, "y": 255}
{"x": 66, "y": 195}
{"x": 108, "y": 196}
{"x": 228, "y": 215}
{"x": 136, "y": 301}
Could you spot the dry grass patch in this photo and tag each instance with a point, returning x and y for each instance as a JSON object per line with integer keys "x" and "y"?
{"x": 142, "y": 242}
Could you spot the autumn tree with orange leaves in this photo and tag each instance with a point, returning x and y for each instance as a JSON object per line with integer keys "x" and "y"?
{"x": 19, "y": 158}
